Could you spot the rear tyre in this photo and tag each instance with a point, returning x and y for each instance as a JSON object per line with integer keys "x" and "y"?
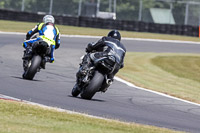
{"x": 93, "y": 87}
{"x": 31, "y": 71}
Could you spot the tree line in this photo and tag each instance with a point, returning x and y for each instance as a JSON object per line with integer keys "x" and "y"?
{"x": 125, "y": 9}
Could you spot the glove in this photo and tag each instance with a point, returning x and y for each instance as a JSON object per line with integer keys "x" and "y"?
{"x": 88, "y": 48}
{"x": 57, "y": 46}
{"x": 122, "y": 65}
{"x": 28, "y": 36}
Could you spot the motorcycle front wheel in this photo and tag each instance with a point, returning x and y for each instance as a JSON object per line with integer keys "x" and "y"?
{"x": 75, "y": 91}
{"x": 32, "y": 70}
{"x": 93, "y": 86}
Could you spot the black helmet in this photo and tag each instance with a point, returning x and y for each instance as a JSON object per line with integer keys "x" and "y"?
{"x": 114, "y": 34}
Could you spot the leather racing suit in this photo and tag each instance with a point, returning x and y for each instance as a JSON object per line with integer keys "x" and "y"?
{"x": 48, "y": 33}
{"x": 108, "y": 46}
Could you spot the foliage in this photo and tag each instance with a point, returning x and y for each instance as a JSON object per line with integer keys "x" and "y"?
{"x": 68, "y": 7}
{"x": 125, "y": 10}
{"x": 10, "y": 4}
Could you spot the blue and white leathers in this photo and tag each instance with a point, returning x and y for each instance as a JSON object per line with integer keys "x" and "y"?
{"x": 48, "y": 33}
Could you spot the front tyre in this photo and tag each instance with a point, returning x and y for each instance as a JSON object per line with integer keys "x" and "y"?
{"x": 31, "y": 71}
{"x": 93, "y": 86}
{"x": 75, "y": 91}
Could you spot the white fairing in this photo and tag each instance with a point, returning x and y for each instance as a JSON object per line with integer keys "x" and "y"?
{"x": 49, "y": 32}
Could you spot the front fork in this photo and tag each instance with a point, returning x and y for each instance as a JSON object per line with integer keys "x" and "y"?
{"x": 26, "y": 62}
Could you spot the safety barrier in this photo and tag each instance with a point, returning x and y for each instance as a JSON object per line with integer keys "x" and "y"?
{"x": 185, "y": 30}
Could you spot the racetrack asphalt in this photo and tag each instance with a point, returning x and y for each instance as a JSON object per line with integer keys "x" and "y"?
{"x": 52, "y": 86}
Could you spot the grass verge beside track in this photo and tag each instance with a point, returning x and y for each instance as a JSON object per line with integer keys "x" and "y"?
{"x": 16, "y": 117}
{"x": 17, "y": 26}
{"x": 173, "y": 74}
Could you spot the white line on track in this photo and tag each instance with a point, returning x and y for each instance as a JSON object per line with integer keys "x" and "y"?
{"x": 121, "y": 80}
{"x": 158, "y": 93}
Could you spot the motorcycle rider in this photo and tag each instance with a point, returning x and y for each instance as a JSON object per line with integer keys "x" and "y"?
{"x": 48, "y": 32}
{"x": 103, "y": 48}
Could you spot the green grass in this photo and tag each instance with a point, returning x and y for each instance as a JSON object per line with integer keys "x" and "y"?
{"x": 16, "y": 26}
{"x": 172, "y": 74}
{"x": 16, "y": 117}
{"x": 178, "y": 65}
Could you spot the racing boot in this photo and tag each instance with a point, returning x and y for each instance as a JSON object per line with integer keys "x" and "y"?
{"x": 43, "y": 63}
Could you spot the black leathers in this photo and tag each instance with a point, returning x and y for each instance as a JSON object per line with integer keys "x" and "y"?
{"x": 109, "y": 46}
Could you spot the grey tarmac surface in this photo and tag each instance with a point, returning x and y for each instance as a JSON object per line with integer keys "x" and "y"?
{"x": 53, "y": 85}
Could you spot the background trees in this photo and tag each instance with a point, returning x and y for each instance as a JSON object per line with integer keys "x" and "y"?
{"x": 125, "y": 9}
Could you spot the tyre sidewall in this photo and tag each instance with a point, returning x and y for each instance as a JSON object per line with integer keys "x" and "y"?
{"x": 32, "y": 70}
{"x": 93, "y": 86}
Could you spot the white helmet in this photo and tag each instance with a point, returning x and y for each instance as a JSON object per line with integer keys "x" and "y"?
{"x": 48, "y": 19}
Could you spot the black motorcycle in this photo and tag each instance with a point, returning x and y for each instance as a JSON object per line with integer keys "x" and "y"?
{"x": 38, "y": 59}
{"x": 93, "y": 76}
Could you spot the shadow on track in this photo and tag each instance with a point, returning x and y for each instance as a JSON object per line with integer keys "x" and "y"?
{"x": 26, "y": 79}
{"x": 97, "y": 100}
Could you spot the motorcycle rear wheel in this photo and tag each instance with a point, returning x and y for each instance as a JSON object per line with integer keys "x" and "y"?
{"x": 32, "y": 70}
{"x": 94, "y": 85}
